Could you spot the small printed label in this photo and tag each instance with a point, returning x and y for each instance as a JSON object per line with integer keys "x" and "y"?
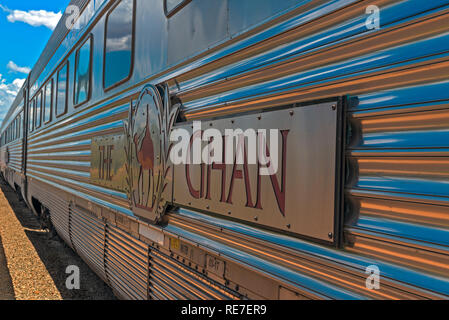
{"x": 215, "y": 265}
{"x": 175, "y": 244}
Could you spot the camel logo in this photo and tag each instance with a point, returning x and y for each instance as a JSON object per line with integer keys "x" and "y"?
{"x": 147, "y": 148}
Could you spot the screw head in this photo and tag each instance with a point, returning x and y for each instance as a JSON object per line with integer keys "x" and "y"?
{"x": 330, "y": 235}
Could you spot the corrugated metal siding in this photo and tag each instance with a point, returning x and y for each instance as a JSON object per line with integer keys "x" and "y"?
{"x": 171, "y": 280}
{"x": 126, "y": 264}
{"x": 15, "y": 155}
{"x": 60, "y": 155}
{"x": 87, "y": 234}
{"x": 59, "y": 216}
{"x": 400, "y": 164}
{"x": 397, "y": 207}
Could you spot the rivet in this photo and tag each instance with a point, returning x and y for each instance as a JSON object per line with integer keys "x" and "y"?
{"x": 292, "y": 113}
{"x": 330, "y": 235}
{"x": 334, "y": 107}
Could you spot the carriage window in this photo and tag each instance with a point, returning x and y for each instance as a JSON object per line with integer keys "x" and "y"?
{"x": 18, "y": 125}
{"x": 61, "y": 90}
{"x": 82, "y": 72}
{"x": 31, "y": 115}
{"x": 119, "y": 44}
{"x": 38, "y": 118}
{"x": 173, "y": 6}
{"x": 48, "y": 101}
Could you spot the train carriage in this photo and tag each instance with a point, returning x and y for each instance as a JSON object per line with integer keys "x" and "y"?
{"x": 357, "y": 91}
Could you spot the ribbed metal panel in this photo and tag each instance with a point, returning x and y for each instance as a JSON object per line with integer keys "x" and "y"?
{"x": 87, "y": 234}
{"x": 397, "y": 152}
{"x": 15, "y": 155}
{"x": 59, "y": 212}
{"x": 397, "y": 196}
{"x": 171, "y": 280}
{"x": 60, "y": 155}
{"x": 126, "y": 264}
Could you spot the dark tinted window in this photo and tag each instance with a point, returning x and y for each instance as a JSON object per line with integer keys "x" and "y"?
{"x": 61, "y": 91}
{"x": 48, "y": 102}
{"x": 19, "y": 125}
{"x": 38, "y": 110}
{"x": 82, "y": 73}
{"x": 31, "y": 120}
{"x": 119, "y": 43}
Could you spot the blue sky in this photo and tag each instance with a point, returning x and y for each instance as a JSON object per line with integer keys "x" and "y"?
{"x": 25, "y": 27}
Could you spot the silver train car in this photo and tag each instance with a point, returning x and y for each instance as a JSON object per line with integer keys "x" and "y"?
{"x": 359, "y": 91}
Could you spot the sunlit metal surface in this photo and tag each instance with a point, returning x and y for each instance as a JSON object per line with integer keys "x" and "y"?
{"x": 226, "y": 58}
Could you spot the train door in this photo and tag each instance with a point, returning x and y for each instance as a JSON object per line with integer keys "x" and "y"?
{"x": 24, "y": 139}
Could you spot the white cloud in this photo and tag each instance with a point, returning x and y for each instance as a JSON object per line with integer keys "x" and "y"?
{"x": 34, "y": 18}
{"x": 8, "y": 92}
{"x": 14, "y": 67}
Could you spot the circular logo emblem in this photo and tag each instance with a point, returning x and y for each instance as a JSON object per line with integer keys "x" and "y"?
{"x": 147, "y": 150}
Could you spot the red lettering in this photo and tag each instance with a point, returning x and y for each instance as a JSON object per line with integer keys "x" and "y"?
{"x": 279, "y": 191}
{"x": 238, "y": 174}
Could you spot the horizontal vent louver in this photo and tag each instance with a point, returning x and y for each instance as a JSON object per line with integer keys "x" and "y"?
{"x": 126, "y": 264}
{"x": 87, "y": 235}
{"x": 169, "y": 279}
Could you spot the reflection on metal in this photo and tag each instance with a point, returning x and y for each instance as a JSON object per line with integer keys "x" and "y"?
{"x": 299, "y": 198}
{"x": 231, "y": 58}
{"x": 108, "y": 160}
{"x": 147, "y": 151}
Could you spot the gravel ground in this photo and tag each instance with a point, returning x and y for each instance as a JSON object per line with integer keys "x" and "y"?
{"x": 33, "y": 265}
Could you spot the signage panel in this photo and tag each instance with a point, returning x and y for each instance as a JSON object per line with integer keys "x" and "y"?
{"x": 299, "y": 197}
